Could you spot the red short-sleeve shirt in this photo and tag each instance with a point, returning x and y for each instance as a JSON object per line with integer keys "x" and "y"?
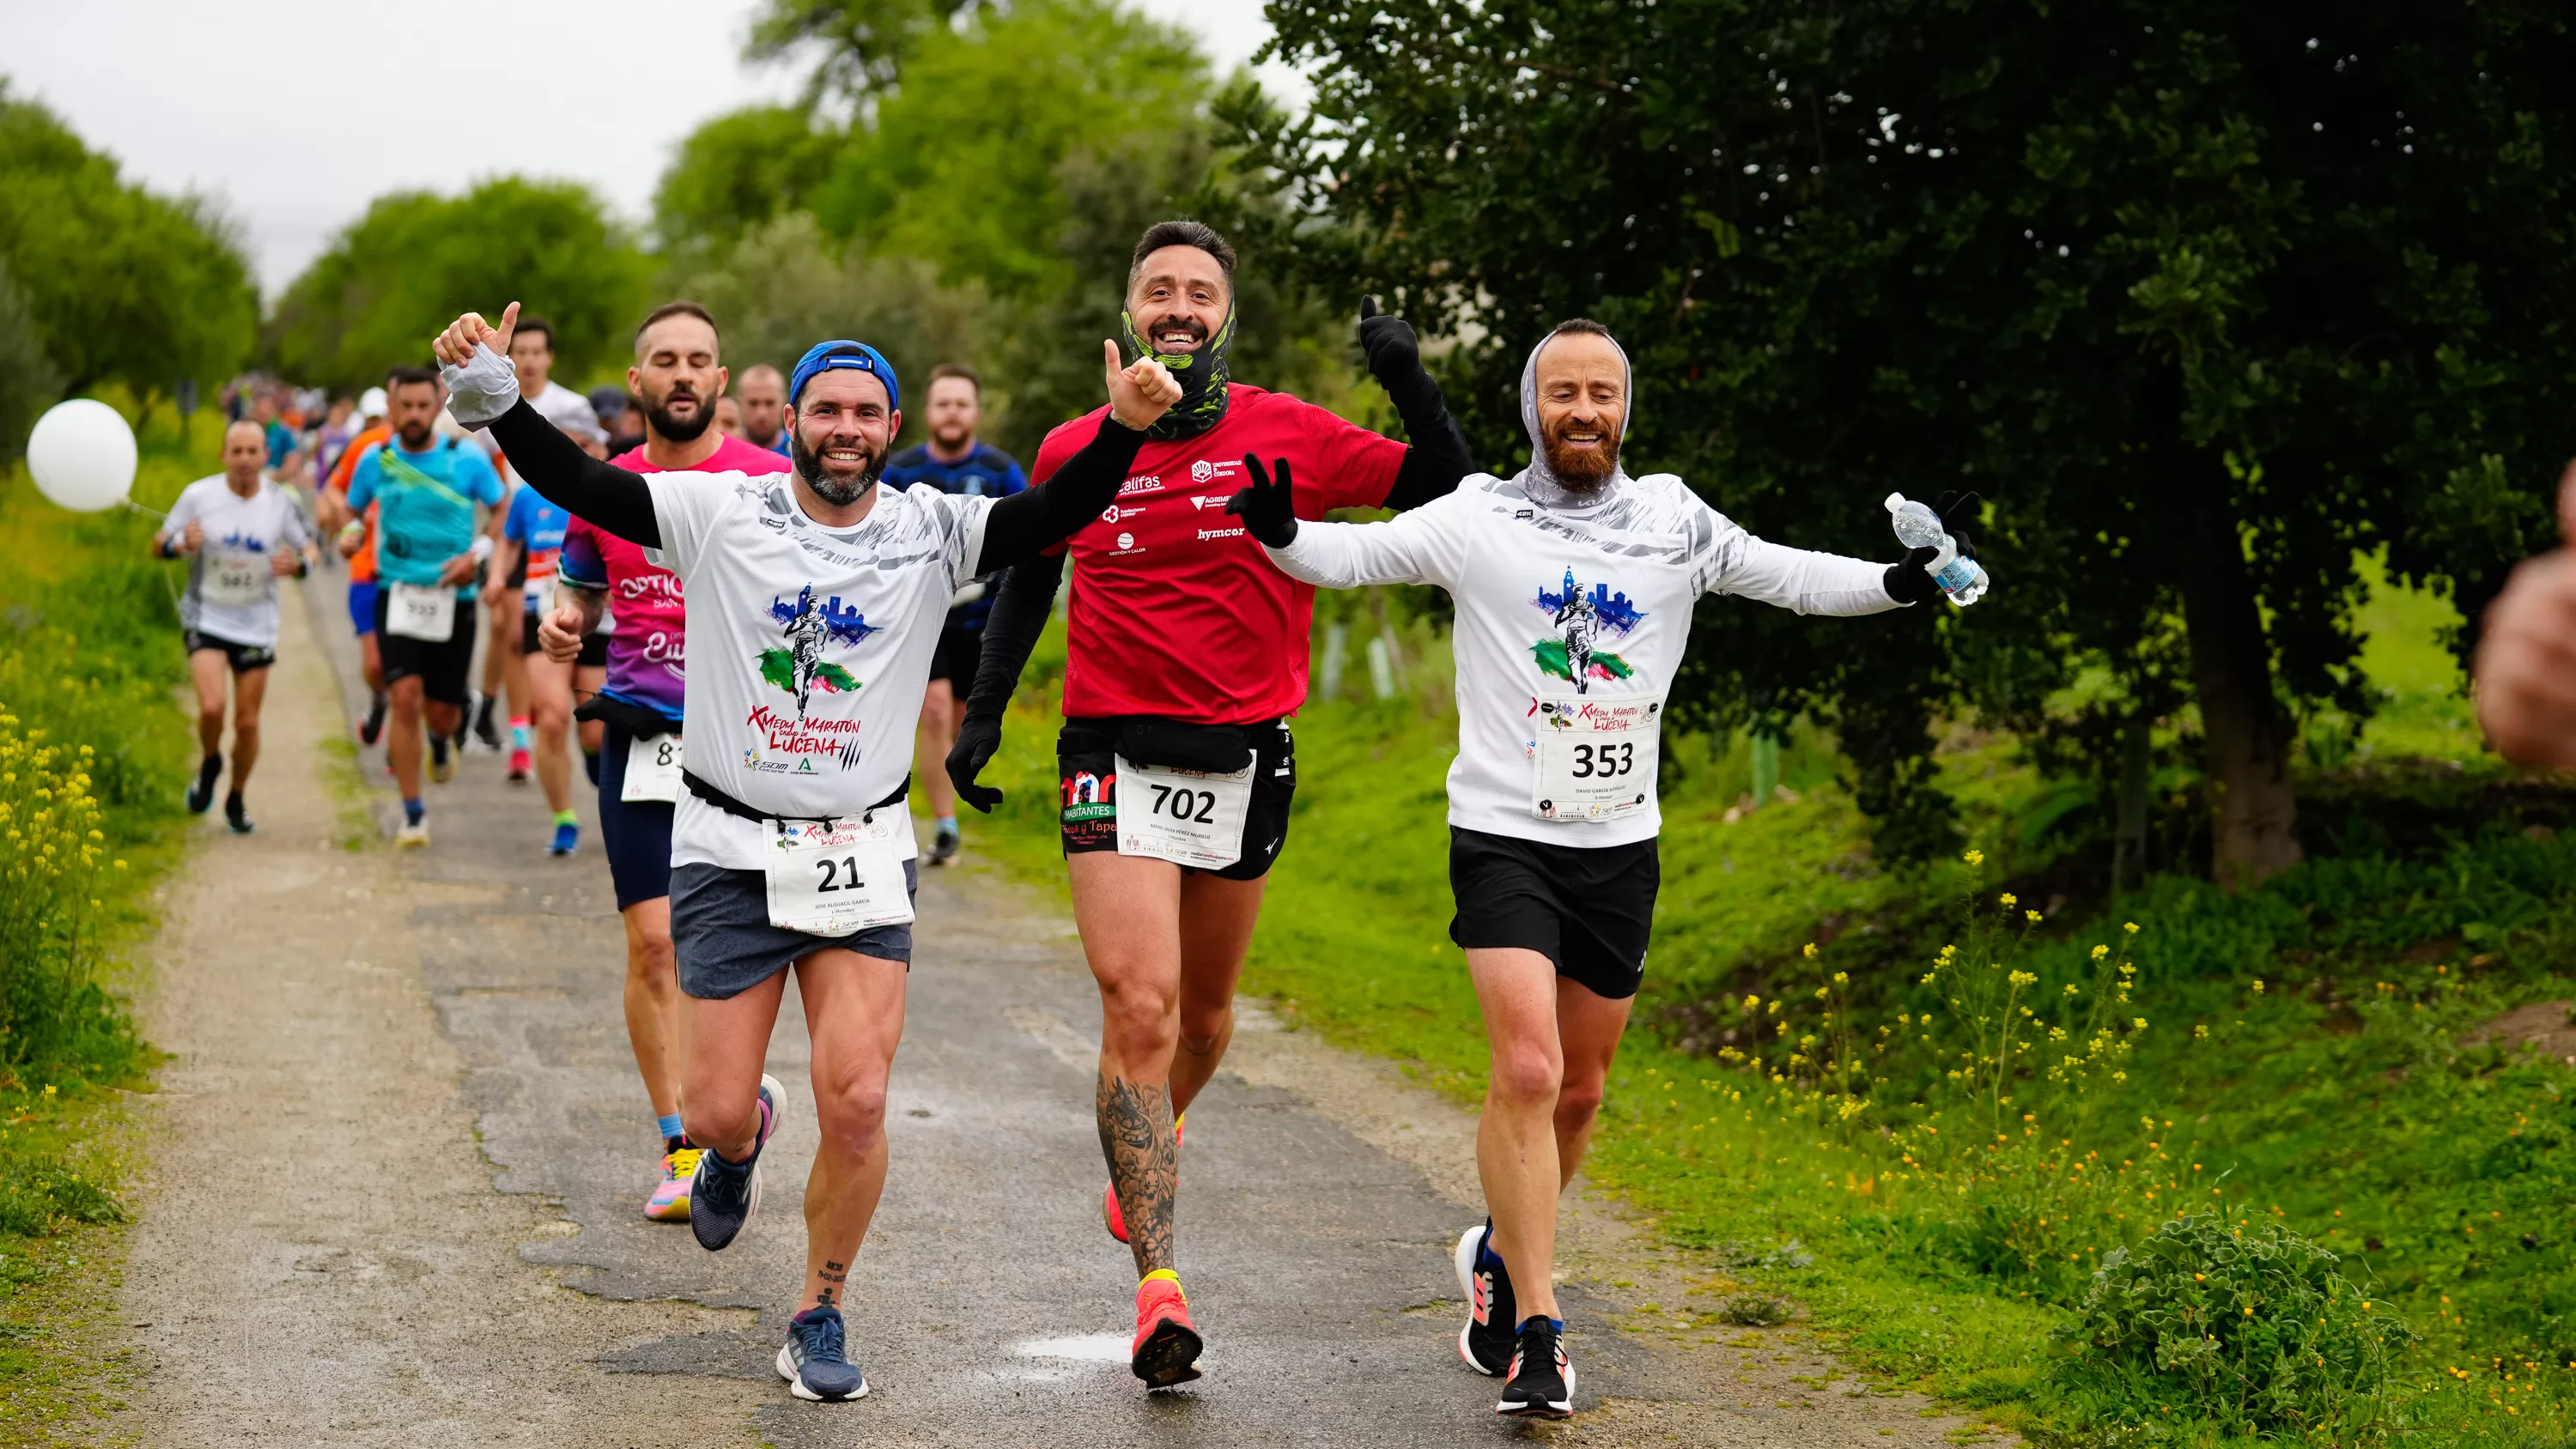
{"x": 1176, "y": 611}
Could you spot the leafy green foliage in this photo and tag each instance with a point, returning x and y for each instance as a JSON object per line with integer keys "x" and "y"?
{"x": 2258, "y": 1332}
{"x": 29, "y": 381}
{"x": 2161, "y": 282}
{"x": 734, "y": 173}
{"x": 116, "y": 283}
{"x": 415, "y": 260}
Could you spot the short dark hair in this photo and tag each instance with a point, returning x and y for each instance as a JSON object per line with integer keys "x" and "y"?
{"x": 960, "y": 370}
{"x": 1580, "y": 324}
{"x": 1181, "y": 232}
{"x": 529, "y": 324}
{"x": 681, "y": 308}
{"x": 403, "y": 377}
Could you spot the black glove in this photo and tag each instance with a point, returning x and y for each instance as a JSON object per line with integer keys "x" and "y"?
{"x": 1952, "y": 506}
{"x": 1268, "y": 509}
{"x": 978, "y": 736}
{"x": 1389, "y": 344}
{"x": 1909, "y": 582}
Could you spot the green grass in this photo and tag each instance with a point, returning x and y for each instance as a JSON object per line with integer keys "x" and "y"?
{"x": 89, "y": 662}
{"x": 2335, "y": 1102}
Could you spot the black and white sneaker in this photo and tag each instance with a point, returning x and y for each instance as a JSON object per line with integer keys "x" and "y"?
{"x": 235, "y": 816}
{"x": 815, "y": 1360}
{"x": 201, "y": 795}
{"x": 725, "y": 1196}
{"x": 485, "y": 731}
{"x": 374, "y": 725}
{"x": 1487, "y": 1341}
{"x": 1542, "y": 1381}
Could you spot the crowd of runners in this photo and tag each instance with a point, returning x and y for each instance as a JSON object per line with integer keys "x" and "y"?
{"x": 763, "y": 627}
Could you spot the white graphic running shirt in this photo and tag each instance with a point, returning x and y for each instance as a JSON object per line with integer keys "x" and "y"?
{"x": 1569, "y": 615}
{"x": 232, "y": 590}
{"x": 809, "y": 647}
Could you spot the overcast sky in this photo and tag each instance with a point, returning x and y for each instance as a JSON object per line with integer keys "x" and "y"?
{"x": 295, "y": 113}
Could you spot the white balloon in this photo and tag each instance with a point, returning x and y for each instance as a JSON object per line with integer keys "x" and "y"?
{"x": 82, "y": 455}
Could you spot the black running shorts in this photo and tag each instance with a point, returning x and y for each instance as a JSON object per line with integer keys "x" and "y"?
{"x": 955, "y": 659}
{"x": 594, "y": 645}
{"x": 242, "y": 657}
{"x": 1589, "y": 909}
{"x": 440, "y": 667}
{"x": 1086, "y": 761}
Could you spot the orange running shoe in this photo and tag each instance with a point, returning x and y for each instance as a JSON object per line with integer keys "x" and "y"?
{"x": 1110, "y": 1217}
{"x": 1167, "y": 1345}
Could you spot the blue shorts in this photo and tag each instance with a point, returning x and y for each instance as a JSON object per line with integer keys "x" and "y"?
{"x": 637, "y": 833}
{"x": 362, "y": 608}
{"x": 721, "y": 933}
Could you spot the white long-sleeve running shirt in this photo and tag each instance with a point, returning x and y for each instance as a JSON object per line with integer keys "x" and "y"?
{"x": 1570, "y": 623}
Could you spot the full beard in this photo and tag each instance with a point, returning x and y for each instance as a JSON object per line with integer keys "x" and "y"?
{"x": 1583, "y": 470}
{"x": 678, "y": 430}
{"x": 840, "y": 494}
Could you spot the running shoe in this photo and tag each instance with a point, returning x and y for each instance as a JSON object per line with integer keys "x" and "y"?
{"x": 1110, "y": 1217}
{"x": 943, "y": 843}
{"x": 1166, "y": 1350}
{"x": 1542, "y": 1381}
{"x": 201, "y": 795}
{"x": 483, "y": 729}
{"x": 375, "y": 722}
{"x": 413, "y": 832}
{"x": 567, "y": 840}
{"x": 1487, "y": 1341}
{"x": 815, "y": 1360}
{"x": 670, "y": 1200}
{"x": 725, "y": 1196}
{"x": 442, "y": 764}
{"x": 236, "y": 817}
{"x": 519, "y": 763}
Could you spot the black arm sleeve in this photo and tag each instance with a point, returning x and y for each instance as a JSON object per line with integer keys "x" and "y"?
{"x": 572, "y": 480}
{"x": 1438, "y": 457}
{"x": 1035, "y": 519}
{"x": 1011, "y": 631}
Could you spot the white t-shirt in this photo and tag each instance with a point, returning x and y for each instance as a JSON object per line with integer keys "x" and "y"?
{"x": 231, "y": 594}
{"x": 809, "y": 647}
{"x": 1563, "y": 608}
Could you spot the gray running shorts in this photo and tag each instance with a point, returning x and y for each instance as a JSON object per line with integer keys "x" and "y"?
{"x": 721, "y": 933}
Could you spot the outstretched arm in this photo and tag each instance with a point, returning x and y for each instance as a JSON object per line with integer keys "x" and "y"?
{"x": 483, "y": 390}
{"x": 1413, "y": 548}
{"x": 1028, "y": 522}
{"x": 1437, "y": 456}
{"x": 1808, "y": 582}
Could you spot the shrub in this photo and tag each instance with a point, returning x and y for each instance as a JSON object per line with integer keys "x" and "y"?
{"x": 2257, "y": 1332}
{"x": 53, "y": 859}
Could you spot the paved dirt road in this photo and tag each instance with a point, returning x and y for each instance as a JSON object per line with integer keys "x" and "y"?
{"x": 400, "y": 1151}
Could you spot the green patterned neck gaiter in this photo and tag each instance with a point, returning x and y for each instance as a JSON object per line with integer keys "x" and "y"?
{"x": 1201, "y": 375}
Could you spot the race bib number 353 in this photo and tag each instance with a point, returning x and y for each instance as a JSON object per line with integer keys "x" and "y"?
{"x": 427, "y": 614}
{"x": 1595, "y": 758}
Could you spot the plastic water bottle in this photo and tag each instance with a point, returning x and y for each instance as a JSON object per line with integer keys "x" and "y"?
{"x": 1917, "y": 526}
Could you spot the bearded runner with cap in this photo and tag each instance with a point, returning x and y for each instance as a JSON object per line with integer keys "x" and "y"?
{"x": 1175, "y": 767}
{"x": 814, "y": 600}
{"x": 1574, "y": 585}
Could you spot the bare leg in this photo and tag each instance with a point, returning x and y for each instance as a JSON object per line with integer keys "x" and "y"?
{"x": 931, "y": 743}
{"x": 1128, "y": 911}
{"x": 208, "y": 670}
{"x": 586, "y": 681}
{"x": 720, "y": 1081}
{"x": 250, "y": 688}
{"x": 1588, "y": 1028}
{"x": 371, "y": 663}
{"x": 653, "y": 1002}
{"x": 1516, "y": 1155}
{"x": 1217, "y": 917}
{"x": 403, "y": 743}
{"x": 854, "y": 1008}
{"x": 549, "y": 692}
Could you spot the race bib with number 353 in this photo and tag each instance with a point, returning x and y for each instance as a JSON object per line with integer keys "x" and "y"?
{"x": 1595, "y": 758}
{"x": 427, "y": 614}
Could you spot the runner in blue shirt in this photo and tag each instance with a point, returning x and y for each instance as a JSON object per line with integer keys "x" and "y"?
{"x": 428, "y": 551}
{"x": 953, "y": 461}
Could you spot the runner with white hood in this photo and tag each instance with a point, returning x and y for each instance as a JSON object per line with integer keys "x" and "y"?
{"x": 1574, "y": 585}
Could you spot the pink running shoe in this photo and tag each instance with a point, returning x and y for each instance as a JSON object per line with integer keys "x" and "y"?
{"x": 519, "y": 766}
{"x": 670, "y": 1200}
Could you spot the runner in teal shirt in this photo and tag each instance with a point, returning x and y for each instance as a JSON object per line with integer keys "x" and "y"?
{"x": 427, "y": 498}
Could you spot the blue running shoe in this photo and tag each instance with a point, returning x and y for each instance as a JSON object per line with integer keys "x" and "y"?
{"x": 725, "y": 1196}
{"x": 567, "y": 839}
{"x": 815, "y": 1360}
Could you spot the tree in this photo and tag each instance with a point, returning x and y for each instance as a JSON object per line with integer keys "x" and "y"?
{"x": 735, "y": 172}
{"x": 116, "y": 283}
{"x": 415, "y": 260}
{"x": 2204, "y": 297}
{"x": 29, "y": 382}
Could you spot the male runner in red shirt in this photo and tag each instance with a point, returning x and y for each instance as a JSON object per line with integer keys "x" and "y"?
{"x": 1187, "y": 655}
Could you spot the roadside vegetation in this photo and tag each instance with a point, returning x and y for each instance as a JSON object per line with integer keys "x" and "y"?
{"x": 2175, "y": 1165}
{"x": 94, "y": 754}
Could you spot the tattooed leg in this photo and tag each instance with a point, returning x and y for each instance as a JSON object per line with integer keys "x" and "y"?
{"x": 854, "y": 1009}
{"x": 1144, "y": 1164}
